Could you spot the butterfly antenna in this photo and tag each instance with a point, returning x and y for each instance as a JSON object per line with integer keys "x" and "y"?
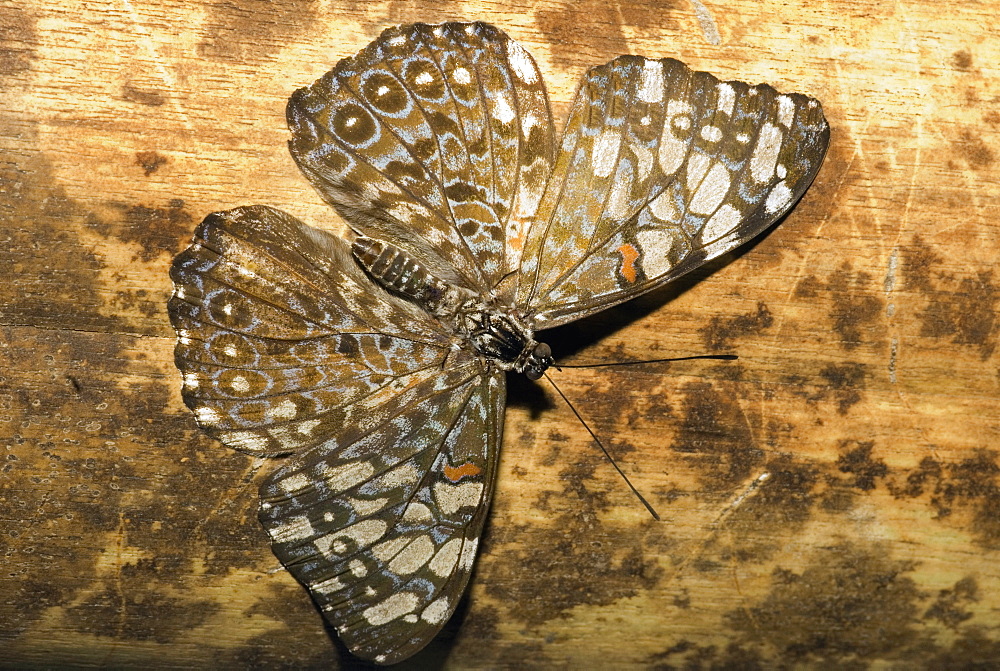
{"x": 604, "y": 449}
{"x": 716, "y": 357}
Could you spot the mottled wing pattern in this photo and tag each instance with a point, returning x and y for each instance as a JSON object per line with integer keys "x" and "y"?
{"x": 661, "y": 169}
{"x": 431, "y": 137}
{"x": 382, "y": 525}
{"x": 282, "y": 339}
{"x": 286, "y": 346}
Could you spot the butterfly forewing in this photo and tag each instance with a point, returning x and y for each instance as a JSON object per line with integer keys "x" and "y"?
{"x": 382, "y": 524}
{"x": 425, "y": 138}
{"x": 661, "y": 169}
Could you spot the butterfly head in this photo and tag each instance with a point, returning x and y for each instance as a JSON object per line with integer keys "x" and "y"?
{"x": 538, "y": 360}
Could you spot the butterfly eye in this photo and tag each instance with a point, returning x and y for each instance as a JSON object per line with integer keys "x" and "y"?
{"x": 539, "y": 361}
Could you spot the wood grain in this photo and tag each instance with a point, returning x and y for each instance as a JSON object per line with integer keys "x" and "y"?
{"x": 832, "y": 499}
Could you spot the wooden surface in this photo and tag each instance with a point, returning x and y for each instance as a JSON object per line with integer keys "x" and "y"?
{"x": 832, "y": 499}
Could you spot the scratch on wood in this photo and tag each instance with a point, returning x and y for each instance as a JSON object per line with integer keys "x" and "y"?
{"x": 893, "y": 347}
{"x": 890, "y": 281}
{"x": 707, "y": 23}
{"x": 738, "y": 501}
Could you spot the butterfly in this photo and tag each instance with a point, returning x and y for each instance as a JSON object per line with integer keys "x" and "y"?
{"x": 377, "y": 366}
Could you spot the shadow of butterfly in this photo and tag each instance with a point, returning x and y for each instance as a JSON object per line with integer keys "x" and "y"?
{"x": 379, "y": 364}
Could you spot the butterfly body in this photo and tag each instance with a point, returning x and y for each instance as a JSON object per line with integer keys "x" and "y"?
{"x": 498, "y": 333}
{"x": 378, "y": 367}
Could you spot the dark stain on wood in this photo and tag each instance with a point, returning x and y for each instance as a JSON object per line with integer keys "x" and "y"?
{"x": 857, "y": 461}
{"x": 158, "y": 231}
{"x": 715, "y": 433}
{"x": 720, "y": 331}
{"x": 149, "y": 161}
{"x": 970, "y": 147}
{"x": 253, "y": 31}
{"x": 142, "y": 96}
{"x": 961, "y": 60}
{"x": 18, "y": 40}
{"x": 856, "y": 312}
{"x": 844, "y": 382}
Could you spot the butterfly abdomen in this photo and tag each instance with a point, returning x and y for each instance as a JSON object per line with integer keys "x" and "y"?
{"x": 391, "y": 266}
{"x": 395, "y": 270}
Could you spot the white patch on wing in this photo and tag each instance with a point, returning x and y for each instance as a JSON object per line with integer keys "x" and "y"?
{"x": 502, "y": 111}
{"x": 191, "y": 380}
{"x": 345, "y": 476}
{"x": 446, "y": 557}
{"x": 366, "y": 532}
{"x": 697, "y": 166}
{"x": 617, "y": 206}
{"x": 306, "y": 427}
{"x": 244, "y": 440}
{"x": 416, "y": 513}
{"x": 206, "y": 415}
{"x": 712, "y": 191}
{"x": 643, "y": 159}
{"x": 664, "y": 208}
{"x": 328, "y": 586}
{"x": 468, "y": 554}
{"x": 786, "y": 111}
{"x": 605, "y": 152}
{"x": 436, "y": 612}
{"x": 673, "y": 147}
{"x": 651, "y": 88}
{"x": 394, "y": 607}
{"x": 521, "y": 63}
{"x": 722, "y": 222}
{"x": 765, "y": 154}
{"x": 239, "y": 384}
{"x": 407, "y": 474}
{"x": 403, "y": 212}
{"x": 297, "y": 528}
{"x": 424, "y": 78}
{"x": 294, "y": 483}
{"x": 727, "y": 98}
{"x": 655, "y": 243}
{"x": 367, "y": 507}
{"x": 779, "y": 198}
{"x": 388, "y": 549}
{"x": 461, "y": 75}
{"x": 711, "y": 133}
{"x": 358, "y": 568}
{"x": 450, "y": 498}
{"x": 413, "y": 557}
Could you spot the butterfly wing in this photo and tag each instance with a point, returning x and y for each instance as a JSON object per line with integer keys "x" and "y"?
{"x": 661, "y": 169}
{"x": 281, "y": 336}
{"x": 382, "y": 524}
{"x": 430, "y": 138}
{"x": 286, "y": 346}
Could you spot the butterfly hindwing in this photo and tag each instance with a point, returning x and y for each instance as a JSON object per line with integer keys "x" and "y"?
{"x": 382, "y": 523}
{"x": 281, "y": 336}
{"x": 661, "y": 169}
{"x": 426, "y": 138}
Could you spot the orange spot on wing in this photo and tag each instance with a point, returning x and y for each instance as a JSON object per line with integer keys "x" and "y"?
{"x": 629, "y": 256}
{"x": 465, "y": 470}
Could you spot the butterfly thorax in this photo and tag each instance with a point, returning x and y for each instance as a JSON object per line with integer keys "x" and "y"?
{"x": 497, "y": 332}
